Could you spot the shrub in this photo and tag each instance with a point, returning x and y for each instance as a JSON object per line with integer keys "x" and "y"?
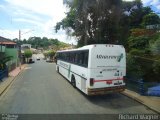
{"x": 49, "y": 54}
{"x": 155, "y": 47}
{"x": 136, "y": 52}
{"x": 140, "y": 42}
{"x": 156, "y": 67}
{"x": 134, "y": 70}
{"x": 28, "y": 54}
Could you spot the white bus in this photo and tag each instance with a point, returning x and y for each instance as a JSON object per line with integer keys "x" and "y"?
{"x": 94, "y": 69}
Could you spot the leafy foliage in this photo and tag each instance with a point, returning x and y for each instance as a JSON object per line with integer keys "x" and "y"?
{"x": 151, "y": 19}
{"x": 133, "y": 68}
{"x": 92, "y": 21}
{"x": 50, "y": 54}
{"x": 28, "y": 54}
{"x": 145, "y": 52}
{"x": 155, "y": 47}
{"x": 44, "y": 42}
{"x": 102, "y": 21}
{"x": 156, "y": 67}
{"x": 3, "y": 60}
{"x": 140, "y": 42}
{"x": 117, "y": 22}
{"x": 136, "y": 52}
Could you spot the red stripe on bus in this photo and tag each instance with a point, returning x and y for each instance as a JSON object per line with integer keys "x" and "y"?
{"x": 107, "y": 80}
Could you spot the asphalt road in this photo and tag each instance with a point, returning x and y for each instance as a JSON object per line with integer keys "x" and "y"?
{"x": 39, "y": 89}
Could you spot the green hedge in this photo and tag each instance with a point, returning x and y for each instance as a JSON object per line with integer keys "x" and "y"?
{"x": 142, "y": 67}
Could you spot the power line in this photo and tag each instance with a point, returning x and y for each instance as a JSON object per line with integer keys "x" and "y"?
{"x": 27, "y": 32}
{"x": 4, "y": 30}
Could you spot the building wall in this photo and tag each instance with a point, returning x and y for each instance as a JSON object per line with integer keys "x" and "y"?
{"x": 14, "y": 61}
{"x": 26, "y": 46}
{"x": 2, "y": 48}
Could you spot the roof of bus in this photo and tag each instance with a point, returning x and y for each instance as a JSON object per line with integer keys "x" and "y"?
{"x": 87, "y": 47}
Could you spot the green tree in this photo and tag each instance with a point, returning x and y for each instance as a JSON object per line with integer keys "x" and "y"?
{"x": 134, "y": 69}
{"x": 102, "y": 21}
{"x": 155, "y": 47}
{"x": 51, "y": 54}
{"x": 140, "y": 42}
{"x": 156, "y": 68}
{"x": 45, "y": 54}
{"x": 92, "y": 21}
{"x": 44, "y": 42}
{"x": 28, "y": 54}
{"x": 151, "y": 19}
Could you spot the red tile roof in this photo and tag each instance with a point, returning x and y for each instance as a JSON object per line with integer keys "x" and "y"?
{"x": 5, "y": 41}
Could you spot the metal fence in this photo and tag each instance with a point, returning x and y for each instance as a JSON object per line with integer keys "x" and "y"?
{"x": 3, "y": 73}
{"x": 140, "y": 86}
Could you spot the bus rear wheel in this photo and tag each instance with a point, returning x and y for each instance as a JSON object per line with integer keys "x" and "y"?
{"x": 73, "y": 81}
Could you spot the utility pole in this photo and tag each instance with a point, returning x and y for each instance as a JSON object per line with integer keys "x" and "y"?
{"x": 19, "y": 35}
{"x": 19, "y": 45}
{"x": 20, "y": 55}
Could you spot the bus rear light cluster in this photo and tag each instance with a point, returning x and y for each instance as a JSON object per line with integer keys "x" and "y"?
{"x": 109, "y": 82}
{"x": 91, "y": 81}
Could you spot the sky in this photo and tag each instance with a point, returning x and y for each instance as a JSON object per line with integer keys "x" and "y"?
{"x": 38, "y": 18}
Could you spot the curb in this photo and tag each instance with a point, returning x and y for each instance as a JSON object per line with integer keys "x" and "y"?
{"x": 140, "y": 101}
{"x": 12, "y": 79}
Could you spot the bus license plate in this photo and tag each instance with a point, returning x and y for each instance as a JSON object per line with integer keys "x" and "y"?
{"x": 118, "y": 83}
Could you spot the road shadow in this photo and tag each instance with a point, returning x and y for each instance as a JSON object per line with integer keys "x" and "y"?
{"x": 113, "y": 101}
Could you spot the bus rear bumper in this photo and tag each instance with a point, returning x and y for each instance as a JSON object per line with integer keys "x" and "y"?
{"x": 102, "y": 91}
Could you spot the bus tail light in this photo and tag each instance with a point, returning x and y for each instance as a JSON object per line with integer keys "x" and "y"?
{"x": 91, "y": 81}
{"x": 109, "y": 82}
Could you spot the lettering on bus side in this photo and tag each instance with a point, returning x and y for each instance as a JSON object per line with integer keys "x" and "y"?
{"x": 64, "y": 65}
{"x": 118, "y": 58}
{"x": 107, "y": 57}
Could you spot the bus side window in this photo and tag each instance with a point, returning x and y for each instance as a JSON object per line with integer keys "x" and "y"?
{"x": 86, "y": 59}
{"x": 79, "y": 58}
{"x": 73, "y": 57}
{"x": 82, "y": 58}
{"x": 67, "y": 56}
{"x": 76, "y": 57}
{"x": 59, "y": 56}
{"x": 63, "y": 56}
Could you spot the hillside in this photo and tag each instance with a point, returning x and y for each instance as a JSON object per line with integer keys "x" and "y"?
{"x": 45, "y": 43}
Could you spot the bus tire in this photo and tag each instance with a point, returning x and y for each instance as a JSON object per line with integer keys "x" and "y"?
{"x": 73, "y": 81}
